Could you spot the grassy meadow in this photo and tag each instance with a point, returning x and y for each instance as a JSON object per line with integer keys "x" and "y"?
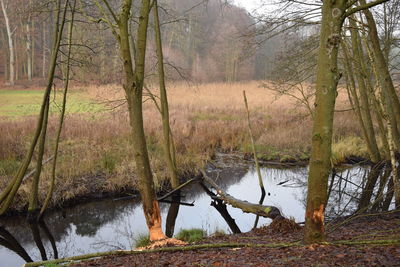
{"x": 96, "y": 153}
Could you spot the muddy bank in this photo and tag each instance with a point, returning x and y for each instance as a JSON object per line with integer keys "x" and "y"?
{"x": 232, "y": 164}
{"x": 362, "y": 241}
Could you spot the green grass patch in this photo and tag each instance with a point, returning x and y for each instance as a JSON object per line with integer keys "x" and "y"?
{"x": 142, "y": 241}
{"x": 191, "y": 235}
{"x": 19, "y": 103}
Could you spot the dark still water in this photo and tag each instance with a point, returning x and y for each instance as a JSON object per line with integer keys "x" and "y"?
{"x": 116, "y": 224}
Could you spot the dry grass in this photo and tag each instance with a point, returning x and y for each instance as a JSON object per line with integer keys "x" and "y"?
{"x": 97, "y": 154}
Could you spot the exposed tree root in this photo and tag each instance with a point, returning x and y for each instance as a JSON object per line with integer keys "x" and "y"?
{"x": 169, "y": 242}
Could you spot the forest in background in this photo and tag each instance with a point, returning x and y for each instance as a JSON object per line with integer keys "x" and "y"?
{"x": 203, "y": 41}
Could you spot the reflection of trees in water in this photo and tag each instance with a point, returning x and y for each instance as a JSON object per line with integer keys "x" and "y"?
{"x": 88, "y": 219}
{"x": 8, "y": 241}
{"x": 349, "y": 186}
{"x": 91, "y": 217}
{"x": 40, "y": 234}
{"x": 345, "y": 188}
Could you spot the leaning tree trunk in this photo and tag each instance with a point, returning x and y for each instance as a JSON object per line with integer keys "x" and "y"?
{"x": 8, "y": 194}
{"x": 62, "y": 114}
{"x": 327, "y": 79}
{"x": 133, "y": 85}
{"x": 364, "y": 99}
{"x": 34, "y": 198}
{"x": 384, "y": 77}
{"x": 169, "y": 151}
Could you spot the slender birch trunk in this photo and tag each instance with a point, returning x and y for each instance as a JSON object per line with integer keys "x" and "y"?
{"x": 10, "y": 35}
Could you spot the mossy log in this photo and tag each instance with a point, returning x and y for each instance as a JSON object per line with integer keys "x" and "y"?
{"x": 247, "y": 207}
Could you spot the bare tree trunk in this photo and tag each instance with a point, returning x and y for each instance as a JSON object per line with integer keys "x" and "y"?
{"x": 169, "y": 151}
{"x": 253, "y": 146}
{"x": 33, "y": 198}
{"x": 6, "y": 55}
{"x": 44, "y": 43}
{"x": 353, "y": 96}
{"x": 62, "y": 115}
{"x": 16, "y": 59}
{"x": 164, "y": 103}
{"x": 364, "y": 100}
{"x": 10, "y": 34}
{"x": 33, "y": 48}
{"x": 327, "y": 79}
{"x": 29, "y": 49}
{"x": 383, "y": 76}
{"x": 133, "y": 85}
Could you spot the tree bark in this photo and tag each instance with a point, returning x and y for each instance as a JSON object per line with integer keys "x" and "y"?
{"x": 327, "y": 79}
{"x": 33, "y": 198}
{"x": 168, "y": 150}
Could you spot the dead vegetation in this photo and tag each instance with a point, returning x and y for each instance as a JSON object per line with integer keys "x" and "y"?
{"x": 96, "y": 153}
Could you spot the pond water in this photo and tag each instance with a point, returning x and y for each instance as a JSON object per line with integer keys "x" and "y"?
{"x": 116, "y": 224}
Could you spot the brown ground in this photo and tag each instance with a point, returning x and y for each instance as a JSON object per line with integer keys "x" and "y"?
{"x": 365, "y": 229}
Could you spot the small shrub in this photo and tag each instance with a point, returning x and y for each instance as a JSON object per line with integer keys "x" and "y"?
{"x": 190, "y": 235}
{"x": 142, "y": 241}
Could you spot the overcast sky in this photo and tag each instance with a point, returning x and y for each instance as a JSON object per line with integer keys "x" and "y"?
{"x": 255, "y": 6}
{"x": 250, "y": 5}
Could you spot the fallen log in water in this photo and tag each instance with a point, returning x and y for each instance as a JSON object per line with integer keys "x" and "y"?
{"x": 247, "y": 207}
